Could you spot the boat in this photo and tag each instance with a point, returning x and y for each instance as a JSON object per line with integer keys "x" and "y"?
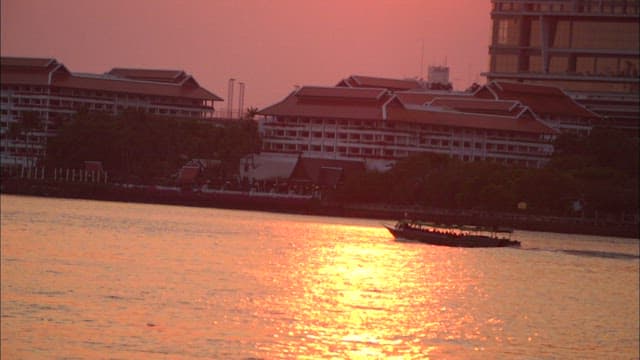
{"x": 452, "y": 235}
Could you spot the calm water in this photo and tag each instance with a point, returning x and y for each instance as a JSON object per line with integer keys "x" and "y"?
{"x": 89, "y": 280}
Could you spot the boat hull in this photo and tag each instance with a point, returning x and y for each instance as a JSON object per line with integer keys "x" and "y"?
{"x": 436, "y": 238}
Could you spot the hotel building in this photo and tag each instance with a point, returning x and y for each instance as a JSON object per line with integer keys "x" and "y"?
{"x": 378, "y": 126}
{"x": 46, "y": 89}
{"x": 589, "y": 48}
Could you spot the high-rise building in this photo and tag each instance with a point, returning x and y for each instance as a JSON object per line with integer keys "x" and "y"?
{"x": 589, "y": 48}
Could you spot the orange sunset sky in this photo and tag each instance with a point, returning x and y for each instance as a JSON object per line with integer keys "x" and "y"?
{"x": 270, "y": 45}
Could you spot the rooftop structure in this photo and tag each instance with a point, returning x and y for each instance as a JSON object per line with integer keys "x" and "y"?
{"x": 378, "y": 82}
{"x": 438, "y": 75}
{"x": 551, "y": 104}
{"x": 46, "y": 89}
{"x": 589, "y": 48}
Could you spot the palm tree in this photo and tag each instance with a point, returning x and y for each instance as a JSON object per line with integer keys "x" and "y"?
{"x": 251, "y": 112}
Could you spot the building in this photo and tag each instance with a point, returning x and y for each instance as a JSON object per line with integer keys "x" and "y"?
{"x": 380, "y": 126}
{"x": 438, "y": 75}
{"x": 589, "y": 48}
{"x": 552, "y": 105}
{"x": 38, "y": 95}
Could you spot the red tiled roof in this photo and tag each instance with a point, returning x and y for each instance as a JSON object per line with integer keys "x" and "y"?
{"x": 542, "y": 99}
{"x": 37, "y": 71}
{"x": 26, "y": 62}
{"x": 378, "y": 82}
{"x": 479, "y": 106}
{"x": 423, "y": 97}
{"x": 344, "y": 93}
{"x": 21, "y": 77}
{"x": 415, "y": 98}
{"x": 481, "y": 121}
{"x": 171, "y": 76}
{"x": 343, "y": 103}
{"x": 335, "y": 107}
{"x": 77, "y": 81}
{"x": 34, "y": 71}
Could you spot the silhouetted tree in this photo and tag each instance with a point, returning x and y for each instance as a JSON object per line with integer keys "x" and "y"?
{"x": 251, "y": 112}
{"x": 473, "y": 88}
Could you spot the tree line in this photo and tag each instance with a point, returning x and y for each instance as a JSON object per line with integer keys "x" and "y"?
{"x": 140, "y": 147}
{"x": 598, "y": 172}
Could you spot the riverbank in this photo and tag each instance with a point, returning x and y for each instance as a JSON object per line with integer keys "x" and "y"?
{"x": 290, "y": 203}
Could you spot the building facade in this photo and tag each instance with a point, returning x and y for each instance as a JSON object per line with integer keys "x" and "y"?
{"x": 589, "y": 48}
{"x": 38, "y": 95}
{"x": 380, "y": 126}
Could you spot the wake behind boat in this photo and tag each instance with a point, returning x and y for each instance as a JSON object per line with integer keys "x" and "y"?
{"x": 452, "y": 235}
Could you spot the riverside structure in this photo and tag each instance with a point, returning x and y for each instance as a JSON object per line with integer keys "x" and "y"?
{"x": 589, "y": 48}
{"x": 38, "y": 95}
{"x": 378, "y": 121}
{"x": 379, "y": 126}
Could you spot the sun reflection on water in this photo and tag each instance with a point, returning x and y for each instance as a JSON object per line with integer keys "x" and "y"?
{"x": 357, "y": 299}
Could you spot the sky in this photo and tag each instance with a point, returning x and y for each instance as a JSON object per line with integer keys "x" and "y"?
{"x": 270, "y": 45}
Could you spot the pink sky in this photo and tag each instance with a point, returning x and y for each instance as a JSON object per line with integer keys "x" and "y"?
{"x": 270, "y": 45}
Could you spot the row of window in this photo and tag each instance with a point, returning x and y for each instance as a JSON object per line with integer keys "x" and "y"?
{"x": 57, "y": 103}
{"x": 567, "y": 34}
{"x": 582, "y": 6}
{"x": 396, "y": 153}
{"x": 99, "y": 107}
{"x": 571, "y": 65}
{"x": 421, "y": 129}
{"x": 103, "y": 95}
{"x": 433, "y": 144}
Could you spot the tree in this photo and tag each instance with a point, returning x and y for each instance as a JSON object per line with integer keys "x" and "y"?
{"x": 251, "y": 112}
{"x": 142, "y": 147}
{"x": 30, "y": 122}
{"x": 473, "y": 88}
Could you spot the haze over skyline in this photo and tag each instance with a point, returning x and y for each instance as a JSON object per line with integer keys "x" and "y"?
{"x": 271, "y": 46}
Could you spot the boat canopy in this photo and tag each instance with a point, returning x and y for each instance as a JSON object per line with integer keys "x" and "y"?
{"x": 471, "y": 228}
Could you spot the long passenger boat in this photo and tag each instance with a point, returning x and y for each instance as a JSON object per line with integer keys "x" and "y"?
{"x": 452, "y": 235}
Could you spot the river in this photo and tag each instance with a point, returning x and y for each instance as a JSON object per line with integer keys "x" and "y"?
{"x": 104, "y": 280}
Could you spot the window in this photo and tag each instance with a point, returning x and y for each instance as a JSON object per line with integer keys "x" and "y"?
{"x": 508, "y": 33}
{"x": 505, "y": 63}
{"x": 558, "y": 64}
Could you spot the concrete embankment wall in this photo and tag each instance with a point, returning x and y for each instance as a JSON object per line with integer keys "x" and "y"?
{"x": 236, "y": 200}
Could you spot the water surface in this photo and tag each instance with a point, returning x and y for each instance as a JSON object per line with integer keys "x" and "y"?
{"x": 87, "y": 280}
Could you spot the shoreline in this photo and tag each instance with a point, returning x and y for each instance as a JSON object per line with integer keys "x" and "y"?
{"x": 309, "y": 206}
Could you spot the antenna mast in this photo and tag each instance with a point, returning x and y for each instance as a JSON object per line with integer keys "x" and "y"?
{"x": 422, "y": 60}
